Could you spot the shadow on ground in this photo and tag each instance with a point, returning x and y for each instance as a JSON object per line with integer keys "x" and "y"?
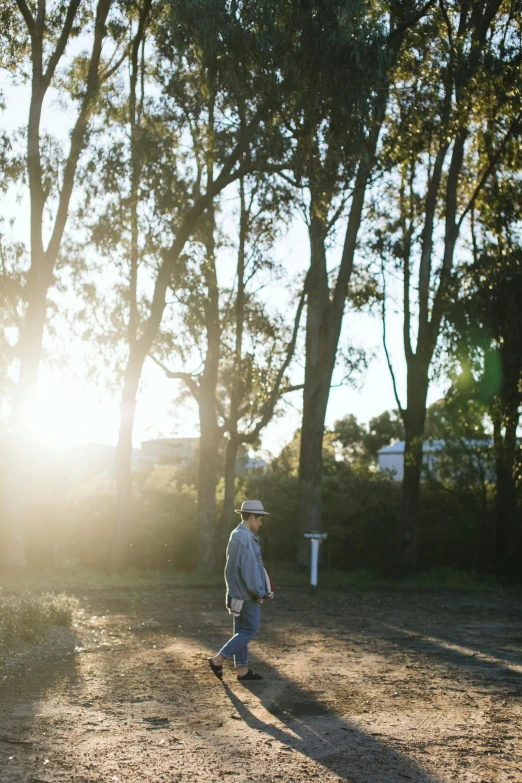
{"x": 304, "y": 725}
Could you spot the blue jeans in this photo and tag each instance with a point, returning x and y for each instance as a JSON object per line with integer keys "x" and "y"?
{"x": 246, "y": 627}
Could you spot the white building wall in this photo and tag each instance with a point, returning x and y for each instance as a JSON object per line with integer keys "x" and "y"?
{"x": 393, "y": 462}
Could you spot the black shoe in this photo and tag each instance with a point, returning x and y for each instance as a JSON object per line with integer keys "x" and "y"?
{"x": 218, "y": 670}
{"x": 250, "y": 675}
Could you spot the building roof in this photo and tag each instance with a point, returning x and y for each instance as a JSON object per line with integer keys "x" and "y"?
{"x": 427, "y": 447}
{"x": 170, "y": 441}
{"x": 431, "y": 446}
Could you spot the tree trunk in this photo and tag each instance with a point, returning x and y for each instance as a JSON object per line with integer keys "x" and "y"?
{"x": 311, "y": 465}
{"x": 318, "y": 376}
{"x": 209, "y": 429}
{"x": 323, "y": 328}
{"x": 123, "y": 465}
{"x": 137, "y": 352}
{"x": 40, "y": 276}
{"x": 325, "y": 312}
{"x": 414, "y": 418}
{"x": 29, "y": 347}
{"x": 502, "y": 492}
{"x": 228, "y": 517}
{"x": 207, "y": 479}
{"x": 30, "y": 353}
{"x": 237, "y": 386}
{"x": 505, "y": 424}
{"x": 408, "y": 536}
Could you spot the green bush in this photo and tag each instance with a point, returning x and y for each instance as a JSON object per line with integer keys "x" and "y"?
{"x": 74, "y": 529}
{"x": 360, "y": 513}
{"x": 164, "y": 532}
{"x": 455, "y": 526}
{"x": 26, "y": 617}
{"x": 71, "y": 530}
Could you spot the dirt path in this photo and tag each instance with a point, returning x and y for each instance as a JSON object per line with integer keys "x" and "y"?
{"x": 359, "y": 687}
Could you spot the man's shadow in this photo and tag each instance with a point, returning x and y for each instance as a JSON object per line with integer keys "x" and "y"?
{"x": 307, "y": 726}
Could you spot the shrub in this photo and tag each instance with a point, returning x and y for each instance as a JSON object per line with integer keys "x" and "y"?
{"x": 26, "y": 617}
{"x": 361, "y": 513}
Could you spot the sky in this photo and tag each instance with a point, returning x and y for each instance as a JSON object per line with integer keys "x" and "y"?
{"x": 68, "y": 411}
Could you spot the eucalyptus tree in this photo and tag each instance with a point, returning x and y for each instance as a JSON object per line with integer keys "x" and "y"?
{"x": 258, "y": 347}
{"x": 456, "y": 110}
{"x": 132, "y": 180}
{"x": 347, "y": 55}
{"x": 50, "y": 32}
{"x": 237, "y": 110}
{"x": 253, "y": 348}
{"x": 45, "y": 37}
{"x": 484, "y": 331}
{"x": 193, "y": 91}
{"x": 11, "y": 254}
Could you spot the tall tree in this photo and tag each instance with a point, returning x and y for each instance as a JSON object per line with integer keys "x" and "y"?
{"x": 125, "y": 216}
{"x": 351, "y": 55}
{"x": 242, "y": 119}
{"x": 197, "y": 100}
{"x": 252, "y": 348}
{"x": 485, "y": 326}
{"x": 457, "y": 80}
{"x": 260, "y": 351}
{"x": 49, "y": 36}
{"x": 49, "y": 33}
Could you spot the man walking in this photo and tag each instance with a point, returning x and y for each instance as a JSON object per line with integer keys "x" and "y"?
{"x": 246, "y": 589}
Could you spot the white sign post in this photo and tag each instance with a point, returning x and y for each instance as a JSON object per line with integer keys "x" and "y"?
{"x": 315, "y": 539}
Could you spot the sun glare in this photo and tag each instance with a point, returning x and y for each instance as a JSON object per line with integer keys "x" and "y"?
{"x": 65, "y": 415}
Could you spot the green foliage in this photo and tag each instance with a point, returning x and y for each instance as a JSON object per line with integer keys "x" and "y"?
{"x": 168, "y": 539}
{"x": 68, "y": 528}
{"x": 26, "y": 617}
{"x": 484, "y": 339}
{"x": 360, "y": 443}
{"x": 67, "y": 531}
{"x": 295, "y": 89}
{"x": 361, "y": 513}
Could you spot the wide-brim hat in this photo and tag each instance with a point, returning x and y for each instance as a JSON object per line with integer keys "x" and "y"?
{"x": 252, "y": 507}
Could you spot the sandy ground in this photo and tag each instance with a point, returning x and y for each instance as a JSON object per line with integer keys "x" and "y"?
{"x": 360, "y": 687}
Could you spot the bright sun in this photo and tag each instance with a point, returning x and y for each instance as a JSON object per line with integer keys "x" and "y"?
{"x": 66, "y": 414}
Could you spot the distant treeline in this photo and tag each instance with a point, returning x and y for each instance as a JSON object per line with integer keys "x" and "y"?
{"x": 67, "y": 530}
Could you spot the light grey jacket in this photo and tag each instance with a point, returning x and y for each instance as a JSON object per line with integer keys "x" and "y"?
{"x": 244, "y": 572}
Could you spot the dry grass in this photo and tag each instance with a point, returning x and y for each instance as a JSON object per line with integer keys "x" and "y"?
{"x": 25, "y": 617}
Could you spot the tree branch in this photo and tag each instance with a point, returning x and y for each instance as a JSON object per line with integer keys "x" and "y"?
{"x": 186, "y": 377}
{"x": 407, "y": 276}
{"x": 62, "y": 42}
{"x": 270, "y": 405}
{"x": 490, "y": 169}
{"x": 221, "y": 412}
{"x": 78, "y": 133}
{"x": 385, "y": 345}
{"x": 411, "y": 21}
{"x": 173, "y": 253}
{"x": 240, "y": 148}
{"x": 338, "y": 212}
{"x": 442, "y": 6}
{"x": 108, "y": 71}
{"x": 427, "y": 237}
{"x": 28, "y": 17}
{"x": 296, "y": 387}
